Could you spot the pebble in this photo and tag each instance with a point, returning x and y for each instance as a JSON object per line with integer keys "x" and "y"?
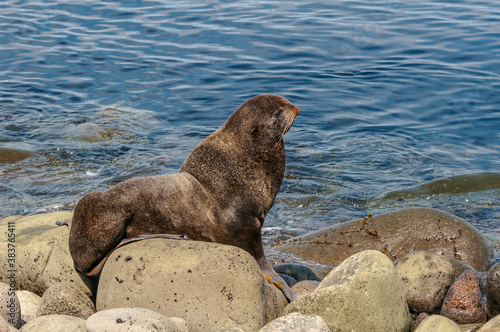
{"x": 438, "y": 323}
{"x": 66, "y": 299}
{"x": 55, "y": 323}
{"x": 296, "y": 322}
{"x": 133, "y": 320}
{"x": 30, "y": 303}
{"x": 305, "y": 287}
{"x": 463, "y": 304}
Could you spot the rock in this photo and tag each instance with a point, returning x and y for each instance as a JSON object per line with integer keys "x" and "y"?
{"x": 296, "y": 271}
{"x": 493, "y": 324}
{"x": 363, "y": 293}
{"x": 493, "y": 290}
{"x": 470, "y": 327}
{"x": 130, "y": 319}
{"x": 229, "y": 326}
{"x": 396, "y": 234}
{"x": 42, "y": 254}
{"x": 420, "y": 317}
{"x": 289, "y": 280}
{"x": 426, "y": 279}
{"x": 275, "y": 257}
{"x": 296, "y": 322}
{"x": 275, "y": 302}
{"x": 55, "y": 323}
{"x": 4, "y": 326}
{"x": 30, "y": 303}
{"x": 305, "y": 287}
{"x": 66, "y": 299}
{"x": 437, "y": 323}
{"x": 10, "y": 309}
{"x": 463, "y": 304}
{"x": 13, "y": 155}
{"x": 201, "y": 282}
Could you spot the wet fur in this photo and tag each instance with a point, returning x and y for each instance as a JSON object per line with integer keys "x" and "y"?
{"x": 223, "y": 192}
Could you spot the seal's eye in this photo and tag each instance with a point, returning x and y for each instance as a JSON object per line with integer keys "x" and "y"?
{"x": 254, "y": 131}
{"x": 278, "y": 113}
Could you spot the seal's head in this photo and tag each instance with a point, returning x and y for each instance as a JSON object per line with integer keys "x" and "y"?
{"x": 262, "y": 121}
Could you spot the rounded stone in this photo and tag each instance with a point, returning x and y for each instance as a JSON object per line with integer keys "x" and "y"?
{"x": 493, "y": 325}
{"x": 296, "y": 322}
{"x": 426, "y": 278}
{"x": 55, "y": 323}
{"x": 395, "y": 234}
{"x": 203, "y": 283}
{"x": 305, "y": 287}
{"x": 30, "y": 303}
{"x": 436, "y": 323}
{"x": 463, "y": 304}
{"x": 130, "y": 319}
{"x": 66, "y": 299}
{"x": 10, "y": 308}
{"x": 296, "y": 271}
{"x": 275, "y": 302}
{"x": 363, "y": 293}
{"x": 493, "y": 290}
{"x": 42, "y": 254}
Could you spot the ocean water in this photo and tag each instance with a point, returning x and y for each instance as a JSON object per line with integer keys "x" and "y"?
{"x": 400, "y": 100}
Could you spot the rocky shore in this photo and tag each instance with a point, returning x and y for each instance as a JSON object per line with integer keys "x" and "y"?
{"x": 411, "y": 270}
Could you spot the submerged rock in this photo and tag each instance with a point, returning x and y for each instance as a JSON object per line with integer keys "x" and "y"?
{"x": 13, "y": 155}
{"x": 363, "y": 293}
{"x": 200, "y": 282}
{"x": 396, "y": 234}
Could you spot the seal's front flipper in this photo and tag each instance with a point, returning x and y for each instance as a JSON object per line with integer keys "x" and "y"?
{"x": 66, "y": 222}
{"x": 275, "y": 279}
{"x": 98, "y": 268}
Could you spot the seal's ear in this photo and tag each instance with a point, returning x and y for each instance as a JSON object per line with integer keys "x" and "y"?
{"x": 254, "y": 130}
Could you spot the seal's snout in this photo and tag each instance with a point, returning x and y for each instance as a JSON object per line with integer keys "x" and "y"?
{"x": 295, "y": 110}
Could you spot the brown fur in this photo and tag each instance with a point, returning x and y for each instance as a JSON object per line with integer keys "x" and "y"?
{"x": 222, "y": 193}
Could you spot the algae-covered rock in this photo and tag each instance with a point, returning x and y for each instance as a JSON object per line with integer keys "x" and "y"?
{"x": 395, "y": 234}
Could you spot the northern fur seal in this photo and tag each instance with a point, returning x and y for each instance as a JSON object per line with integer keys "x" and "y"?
{"x": 221, "y": 194}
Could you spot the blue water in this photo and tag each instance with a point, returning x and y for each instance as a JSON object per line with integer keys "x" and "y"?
{"x": 393, "y": 95}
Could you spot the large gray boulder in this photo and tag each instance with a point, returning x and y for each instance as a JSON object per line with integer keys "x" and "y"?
{"x": 42, "y": 254}
{"x": 395, "y": 234}
{"x": 363, "y": 293}
{"x": 200, "y": 282}
{"x": 426, "y": 278}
